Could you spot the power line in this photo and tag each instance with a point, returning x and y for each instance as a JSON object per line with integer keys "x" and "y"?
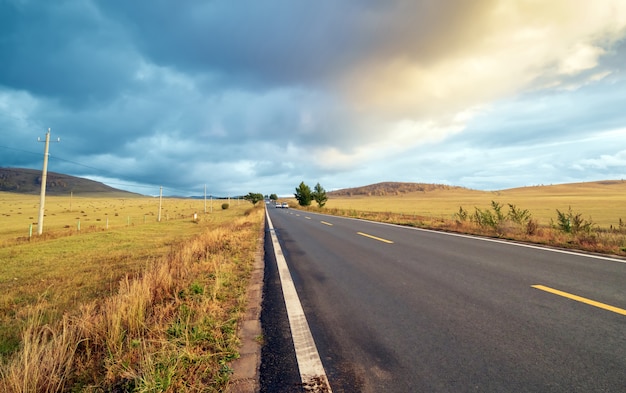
{"x": 78, "y": 163}
{"x": 20, "y": 150}
{"x": 103, "y": 171}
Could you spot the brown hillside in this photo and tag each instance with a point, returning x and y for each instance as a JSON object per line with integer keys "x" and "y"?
{"x": 390, "y": 188}
{"x": 28, "y": 181}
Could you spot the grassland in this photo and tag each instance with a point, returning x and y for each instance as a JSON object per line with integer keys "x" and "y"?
{"x": 601, "y": 204}
{"x": 126, "y": 302}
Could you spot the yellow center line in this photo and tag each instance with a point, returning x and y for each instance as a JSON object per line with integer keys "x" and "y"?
{"x": 375, "y": 238}
{"x": 581, "y": 299}
{"x": 326, "y": 223}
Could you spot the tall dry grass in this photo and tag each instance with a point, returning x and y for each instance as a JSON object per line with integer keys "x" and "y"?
{"x": 46, "y": 359}
{"x": 599, "y": 240}
{"x": 171, "y": 329}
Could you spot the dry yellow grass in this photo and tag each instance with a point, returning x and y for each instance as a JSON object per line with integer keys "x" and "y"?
{"x": 62, "y": 213}
{"x": 144, "y": 306}
{"x": 596, "y": 221}
{"x": 65, "y": 267}
{"x": 603, "y": 202}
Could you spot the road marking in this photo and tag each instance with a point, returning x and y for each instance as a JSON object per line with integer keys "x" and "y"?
{"x": 308, "y": 218}
{"x": 375, "y": 238}
{"x": 485, "y": 239}
{"x": 326, "y": 223}
{"x": 581, "y": 299}
{"x": 310, "y": 365}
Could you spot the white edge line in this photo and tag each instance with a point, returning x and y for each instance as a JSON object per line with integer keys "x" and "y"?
{"x": 485, "y": 239}
{"x": 309, "y": 363}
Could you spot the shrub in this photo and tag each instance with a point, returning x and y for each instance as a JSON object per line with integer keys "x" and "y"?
{"x": 487, "y": 218}
{"x": 531, "y": 227}
{"x": 570, "y": 222}
{"x": 462, "y": 214}
{"x": 225, "y": 206}
{"x": 499, "y": 222}
{"x": 518, "y": 216}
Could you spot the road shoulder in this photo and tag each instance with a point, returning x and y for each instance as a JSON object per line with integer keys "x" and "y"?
{"x": 245, "y": 376}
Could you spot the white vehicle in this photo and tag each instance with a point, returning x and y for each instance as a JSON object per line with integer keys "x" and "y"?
{"x": 277, "y": 205}
{"x": 285, "y": 205}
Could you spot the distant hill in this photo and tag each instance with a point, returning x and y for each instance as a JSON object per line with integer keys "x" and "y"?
{"x": 28, "y": 181}
{"x": 390, "y": 188}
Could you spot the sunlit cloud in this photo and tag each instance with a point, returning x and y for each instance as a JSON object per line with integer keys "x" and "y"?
{"x": 512, "y": 47}
{"x": 485, "y": 94}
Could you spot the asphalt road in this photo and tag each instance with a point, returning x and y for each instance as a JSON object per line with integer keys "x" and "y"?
{"x": 396, "y": 309}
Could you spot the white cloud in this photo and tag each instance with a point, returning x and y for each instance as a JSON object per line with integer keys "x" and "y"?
{"x": 582, "y": 57}
{"x": 605, "y": 161}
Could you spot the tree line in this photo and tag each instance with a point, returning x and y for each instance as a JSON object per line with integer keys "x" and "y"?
{"x": 304, "y": 195}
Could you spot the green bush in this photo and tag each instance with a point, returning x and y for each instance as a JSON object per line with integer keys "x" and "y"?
{"x": 487, "y": 218}
{"x": 225, "y": 206}
{"x": 570, "y": 222}
{"x": 462, "y": 214}
{"x": 518, "y": 216}
{"x": 496, "y": 220}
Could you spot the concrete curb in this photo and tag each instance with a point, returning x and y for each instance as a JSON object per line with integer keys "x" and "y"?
{"x": 245, "y": 378}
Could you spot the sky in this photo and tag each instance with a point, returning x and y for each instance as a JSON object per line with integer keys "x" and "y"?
{"x": 258, "y": 96}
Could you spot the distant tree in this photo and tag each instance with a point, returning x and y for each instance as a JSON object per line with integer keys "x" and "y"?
{"x": 303, "y": 194}
{"x": 319, "y": 195}
{"x": 274, "y": 197}
{"x": 253, "y": 197}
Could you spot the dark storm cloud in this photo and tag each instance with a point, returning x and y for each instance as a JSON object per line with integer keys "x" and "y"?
{"x": 227, "y": 93}
{"x": 285, "y": 43}
{"x": 63, "y": 50}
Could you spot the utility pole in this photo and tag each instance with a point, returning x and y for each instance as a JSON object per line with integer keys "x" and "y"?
{"x": 160, "y": 201}
{"x": 44, "y": 179}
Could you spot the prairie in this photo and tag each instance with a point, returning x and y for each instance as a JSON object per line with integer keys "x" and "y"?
{"x": 121, "y": 301}
{"x": 603, "y": 202}
{"x": 584, "y": 216}
{"x": 63, "y": 214}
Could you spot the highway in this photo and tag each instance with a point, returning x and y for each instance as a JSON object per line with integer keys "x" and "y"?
{"x": 395, "y": 309}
